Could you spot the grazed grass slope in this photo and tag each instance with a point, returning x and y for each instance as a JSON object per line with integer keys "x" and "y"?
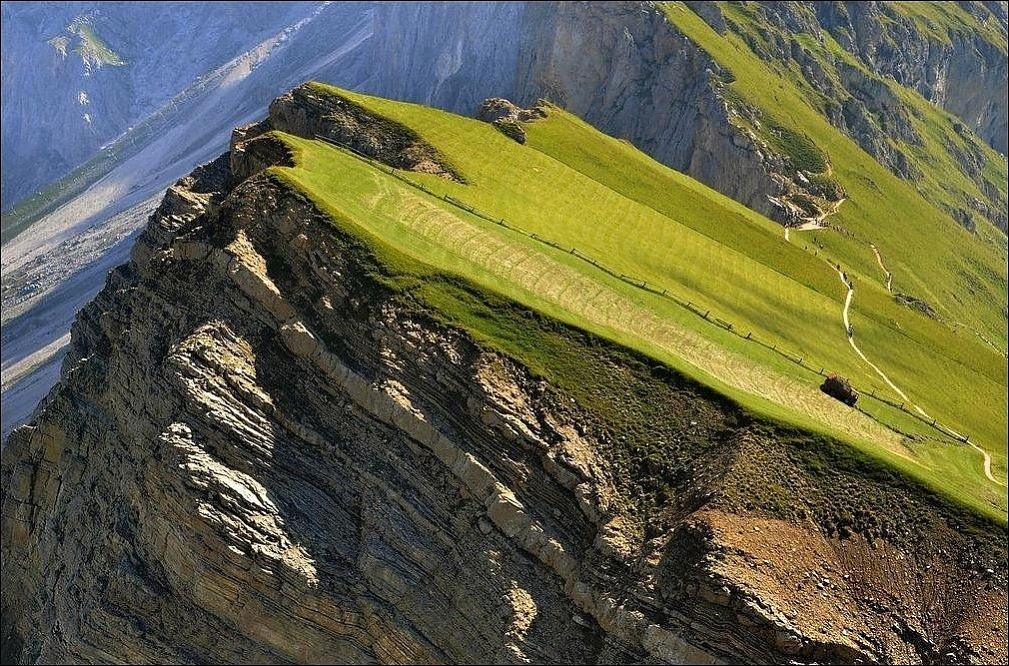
{"x": 940, "y": 135}
{"x": 581, "y": 189}
{"x": 962, "y": 275}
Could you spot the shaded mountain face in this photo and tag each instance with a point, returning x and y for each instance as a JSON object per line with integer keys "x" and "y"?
{"x": 77, "y": 75}
{"x": 953, "y": 56}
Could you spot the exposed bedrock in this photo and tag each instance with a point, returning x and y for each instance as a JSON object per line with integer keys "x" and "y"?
{"x": 259, "y": 452}
{"x": 623, "y": 68}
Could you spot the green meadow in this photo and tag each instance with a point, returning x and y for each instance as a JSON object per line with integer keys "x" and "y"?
{"x": 572, "y": 196}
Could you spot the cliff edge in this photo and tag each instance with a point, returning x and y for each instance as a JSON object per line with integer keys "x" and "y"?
{"x": 265, "y": 449}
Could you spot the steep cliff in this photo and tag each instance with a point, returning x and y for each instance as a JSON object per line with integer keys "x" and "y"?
{"x": 269, "y": 444}
{"x": 880, "y": 72}
{"x": 954, "y": 55}
{"x": 625, "y": 67}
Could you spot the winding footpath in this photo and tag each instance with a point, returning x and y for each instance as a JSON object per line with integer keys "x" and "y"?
{"x": 987, "y": 465}
{"x": 851, "y": 341}
{"x": 816, "y": 224}
{"x": 879, "y": 260}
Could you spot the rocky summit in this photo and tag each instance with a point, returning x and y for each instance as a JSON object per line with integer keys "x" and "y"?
{"x": 550, "y": 381}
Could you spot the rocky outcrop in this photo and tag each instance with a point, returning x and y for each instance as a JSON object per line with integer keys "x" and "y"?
{"x": 311, "y": 113}
{"x": 506, "y": 117}
{"x": 262, "y": 451}
{"x": 253, "y": 152}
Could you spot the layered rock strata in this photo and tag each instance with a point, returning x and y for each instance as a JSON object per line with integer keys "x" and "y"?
{"x": 261, "y": 452}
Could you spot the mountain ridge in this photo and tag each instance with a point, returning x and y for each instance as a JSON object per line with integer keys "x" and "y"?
{"x": 271, "y": 443}
{"x": 521, "y": 52}
{"x": 380, "y": 381}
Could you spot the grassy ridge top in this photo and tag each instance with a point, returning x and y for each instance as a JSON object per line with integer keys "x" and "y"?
{"x": 587, "y": 192}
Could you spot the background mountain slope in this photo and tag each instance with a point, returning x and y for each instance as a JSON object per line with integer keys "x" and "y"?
{"x": 688, "y": 84}
{"x": 77, "y": 75}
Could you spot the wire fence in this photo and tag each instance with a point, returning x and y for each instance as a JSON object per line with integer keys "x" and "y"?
{"x": 662, "y": 292}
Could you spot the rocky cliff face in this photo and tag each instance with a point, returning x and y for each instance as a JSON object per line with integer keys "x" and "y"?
{"x": 959, "y": 70}
{"x": 623, "y": 68}
{"x": 260, "y": 451}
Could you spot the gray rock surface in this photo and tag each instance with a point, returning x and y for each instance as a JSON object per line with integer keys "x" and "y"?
{"x": 966, "y": 75}
{"x": 621, "y": 66}
{"x": 259, "y": 453}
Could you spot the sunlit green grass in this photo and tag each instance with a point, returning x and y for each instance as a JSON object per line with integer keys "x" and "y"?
{"x": 576, "y": 187}
{"x": 930, "y": 256}
{"x": 880, "y": 206}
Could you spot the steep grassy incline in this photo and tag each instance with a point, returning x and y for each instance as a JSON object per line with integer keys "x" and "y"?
{"x": 587, "y": 230}
{"x": 945, "y": 161}
{"x": 881, "y": 322}
{"x": 960, "y": 274}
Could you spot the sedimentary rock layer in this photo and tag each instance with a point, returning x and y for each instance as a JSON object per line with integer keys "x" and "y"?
{"x": 262, "y": 452}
